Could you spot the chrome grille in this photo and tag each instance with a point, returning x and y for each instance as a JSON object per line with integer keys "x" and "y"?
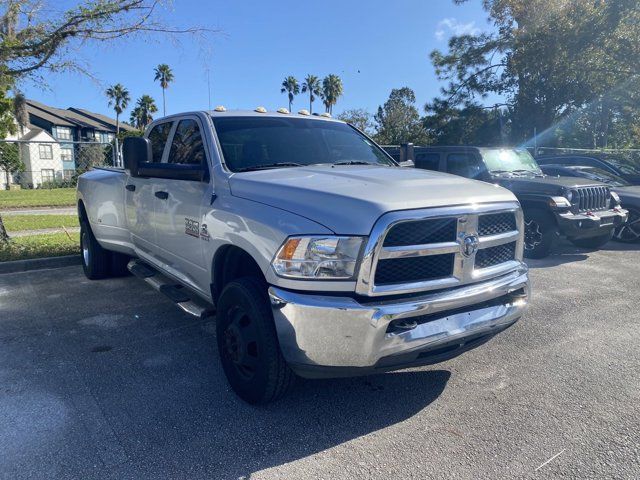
{"x": 587, "y": 199}
{"x": 423, "y": 250}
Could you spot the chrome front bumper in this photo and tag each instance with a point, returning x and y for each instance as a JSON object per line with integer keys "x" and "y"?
{"x": 325, "y": 336}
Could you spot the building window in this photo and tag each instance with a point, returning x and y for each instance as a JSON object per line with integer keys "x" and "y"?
{"x": 66, "y": 154}
{"x": 63, "y": 133}
{"x": 46, "y": 152}
{"x": 68, "y": 174}
{"x": 48, "y": 174}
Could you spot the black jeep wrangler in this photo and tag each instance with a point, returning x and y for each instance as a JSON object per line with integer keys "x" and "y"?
{"x": 586, "y": 212}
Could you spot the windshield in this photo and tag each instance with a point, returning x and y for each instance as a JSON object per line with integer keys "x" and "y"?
{"x": 254, "y": 143}
{"x": 603, "y": 176}
{"x": 503, "y": 160}
{"x": 627, "y": 165}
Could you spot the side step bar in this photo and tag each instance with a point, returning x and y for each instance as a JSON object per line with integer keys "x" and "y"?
{"x": 181, "y": 296}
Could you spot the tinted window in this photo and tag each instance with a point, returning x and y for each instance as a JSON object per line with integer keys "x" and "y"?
{"x": 158, "y": 138}
{"x": 465, "y": 165}
{"x": 252, "y": 142}
{"x": 187, "y": 147}
{"x": 428, "y": 161}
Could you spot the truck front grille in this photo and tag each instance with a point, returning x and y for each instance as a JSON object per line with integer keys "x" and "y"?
{"x": 587, "y": 199}
{"x": 419, "y": 233}
{"x": 414, "y": 269}
{"x": 426, "y": 250}
{"x": 490, "y": 257}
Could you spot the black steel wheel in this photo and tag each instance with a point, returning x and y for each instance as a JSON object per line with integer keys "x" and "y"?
{"x": 630, "y": 231}
{"x": 540, "y": 233}
{"x": 248, "y": 343}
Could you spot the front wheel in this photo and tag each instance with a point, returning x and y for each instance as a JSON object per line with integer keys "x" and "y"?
{"x": 248, "y": 343}
{"x": 592, "y": 243}
{"x": 540, "y": 233}
{"x": 630, "y": 231}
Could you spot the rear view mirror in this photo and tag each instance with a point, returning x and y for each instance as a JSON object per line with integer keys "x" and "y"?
{"x": 136, "y": 151}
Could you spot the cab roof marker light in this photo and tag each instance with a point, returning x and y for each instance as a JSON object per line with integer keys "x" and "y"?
{"x": 220, "y": 108}
{"x": 261, "y": 110}
{"x": 325, "y": 114}
{"x": 303, "y": 112}
{"x": 282, "y": 110}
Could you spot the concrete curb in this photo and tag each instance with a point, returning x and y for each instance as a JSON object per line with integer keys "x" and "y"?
{"x": 39, "y": 264}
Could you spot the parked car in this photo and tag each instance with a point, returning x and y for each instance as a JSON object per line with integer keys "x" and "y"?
{"x": 628, "y": 169}
{"x": 321, "y": 255}
{"x": 585, "y": 211}
{"x": 629, "y": 195}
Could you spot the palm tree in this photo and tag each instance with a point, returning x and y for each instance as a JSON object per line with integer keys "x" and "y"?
{"x": 290, "y": 85}
{"x": 119, "y": 98}
{"x": 312, "y": 85}
{"x": 331, "y": 91}
{"x": 164, "y": 75}
{"x": 142, "y": 114}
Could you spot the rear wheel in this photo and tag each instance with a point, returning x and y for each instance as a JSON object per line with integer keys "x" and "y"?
{"x": 630, "y": 231}
{"x": 592, "y": 243}
{"x": 95, "y": 259}
{"x": 540, "y": 233}
{"x": 248, "y": 343}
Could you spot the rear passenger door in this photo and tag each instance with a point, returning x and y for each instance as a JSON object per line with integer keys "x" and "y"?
{"x": 181, "y": 232}
{"x": 139, "y": 195}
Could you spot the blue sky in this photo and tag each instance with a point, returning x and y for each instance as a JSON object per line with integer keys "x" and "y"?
{"x": 374, "y": 46}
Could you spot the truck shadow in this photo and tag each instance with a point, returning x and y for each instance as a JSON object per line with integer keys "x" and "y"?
{"x": 132, "y": 383}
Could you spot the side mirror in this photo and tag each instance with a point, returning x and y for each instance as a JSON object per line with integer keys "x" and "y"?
{"x": 136, "y": 151}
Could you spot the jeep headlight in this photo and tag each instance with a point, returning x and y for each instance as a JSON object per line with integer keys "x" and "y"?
{"x": 318, "y": 257}
{"x": 616, "y": 198}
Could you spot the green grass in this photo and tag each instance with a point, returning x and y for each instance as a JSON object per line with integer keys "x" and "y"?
{"x": 38, "y": 246}
{"x": 56, "y": 197}
{"x": 15, "y": 223}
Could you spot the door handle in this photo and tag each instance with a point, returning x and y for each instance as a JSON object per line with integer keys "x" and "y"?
{"x": 131, "y": 187}
{"x": 162, "y": 195}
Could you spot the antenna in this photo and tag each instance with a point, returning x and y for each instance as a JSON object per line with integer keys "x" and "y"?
{"x": 209, "y": 87}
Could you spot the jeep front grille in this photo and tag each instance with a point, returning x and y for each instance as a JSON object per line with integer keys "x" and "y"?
{"x": 423, "y": 250}
{"x": 587, "y": 199}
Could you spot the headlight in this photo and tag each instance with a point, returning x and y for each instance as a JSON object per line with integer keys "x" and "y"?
{"x": 318, "y": 257}
{"x": 569, "y": 195}
{"x": 559, "y": 202}
{"x": 616, "y": 198}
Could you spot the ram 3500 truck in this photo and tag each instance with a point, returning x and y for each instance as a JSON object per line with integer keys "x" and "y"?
{"x": 321, "y": 255}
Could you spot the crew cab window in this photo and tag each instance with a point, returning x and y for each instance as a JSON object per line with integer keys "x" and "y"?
{"x": 187, "y": 147}
{"x": 428, "y": 161}
{"x": 464, "y": 164}
{"x": 158, "y": 138}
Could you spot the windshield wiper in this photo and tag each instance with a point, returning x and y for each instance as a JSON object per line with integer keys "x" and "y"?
{"x": 524, "y": 170}
{"x": 269, "y": 165}
{"x": 500, "y": 171}
{"x": 354, "y": 162}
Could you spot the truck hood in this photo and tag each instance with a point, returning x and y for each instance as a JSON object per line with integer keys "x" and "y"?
{"x": 349, "y": 199}
{"x": 543, "y": 185}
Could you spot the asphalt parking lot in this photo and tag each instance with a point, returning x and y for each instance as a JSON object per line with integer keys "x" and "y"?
{"x": 110, "y": 380}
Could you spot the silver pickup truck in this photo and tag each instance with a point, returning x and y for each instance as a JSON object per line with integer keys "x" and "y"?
{"x": 321, "y": 256}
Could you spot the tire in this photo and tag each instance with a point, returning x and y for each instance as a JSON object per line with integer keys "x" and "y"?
{"x": 248, "y": 343}
{"x": 630, "y": 231}
{"x": 118, "y": 264}
{"x": 541, "y": 233}
{"x": 96, "y": 261}
{"x": 592, "y": 243}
